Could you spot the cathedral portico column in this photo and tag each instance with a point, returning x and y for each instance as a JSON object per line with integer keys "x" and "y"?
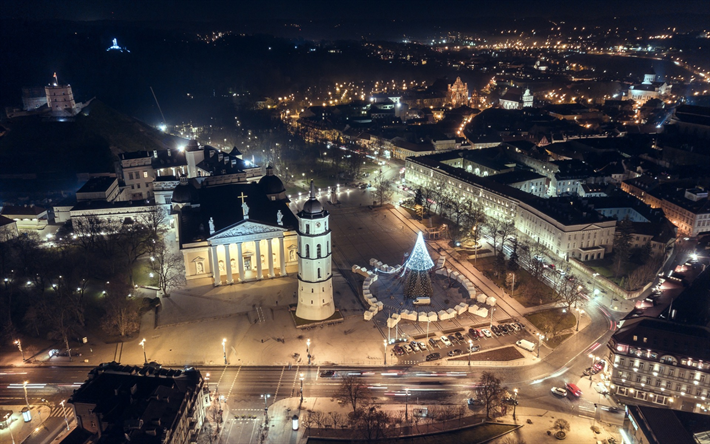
{"x": 271, "y": 257}
{"x": 257, "y": 244}
{"x": 240, "y": 261}
{"x": 282, "y": 256}
{"x": 228, "y": 265}
{"x": 215, "y": 266}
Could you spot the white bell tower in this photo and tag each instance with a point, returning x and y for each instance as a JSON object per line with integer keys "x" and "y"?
{"x": 315, "y": 277}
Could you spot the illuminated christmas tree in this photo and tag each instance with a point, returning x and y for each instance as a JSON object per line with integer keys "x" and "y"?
{"x": 417, "y": 281}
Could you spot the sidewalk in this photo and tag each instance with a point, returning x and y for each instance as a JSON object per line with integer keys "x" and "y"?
{"x": 20, "y": 430}
{"x": 542, "y": 420}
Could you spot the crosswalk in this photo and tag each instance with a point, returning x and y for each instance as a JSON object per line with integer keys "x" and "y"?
{"x": 59, "y": 412}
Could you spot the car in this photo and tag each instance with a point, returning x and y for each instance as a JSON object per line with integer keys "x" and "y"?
{"x": 474, "y": 401}
{"x": 480, "y": 334}
{"x": 475, "y": 348}
{"x": 611, "y": 409}
{"x": 521, "y": 325}
{"x": 327, "y": 373}
{"x": 433, "y": 342}
{"x": 559, "y": 391}
{"x": 407, "y": 348}
{"x": 433, "y": 357}
{"x": 515, "y": 326}
{"x": 453, "y": 339}
{"x": 459, "y": 336}
{"x": 473, "y": 335}
{"x": 423, "y": 347}
{"x": 414, "y": 346}
{"x": 398, "y": 351}
{"x": 454, "y": 352}
{"x": 486, "y": 333}
{"x": 446, "y": 341}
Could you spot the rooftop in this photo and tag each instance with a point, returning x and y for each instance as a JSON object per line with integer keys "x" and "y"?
{"x": 666, "y": 337}
{"x": 97, "y": 184}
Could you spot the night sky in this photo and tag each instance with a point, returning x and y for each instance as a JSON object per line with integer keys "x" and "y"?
{"x": 209, "y": 10}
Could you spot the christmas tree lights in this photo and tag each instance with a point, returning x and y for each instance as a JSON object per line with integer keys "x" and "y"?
{"x": 419, "y": 259}
{"x": 418, "y": 283}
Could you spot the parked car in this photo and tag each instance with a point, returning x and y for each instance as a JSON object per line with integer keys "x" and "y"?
{"x": 423, "y": 347}
{"x": 453, "y": 339}
{"x": 433, "y": 342}
{"x": 433, "y": 357}
{"x": 398, "y": 351}
{"x": 446, "y": 341}
{"x": 327, "y": 373}
{"x": 480, "y": 333}
{"x": 486, "y": 333}
{"x": 415, "y": 346}
{"x": 515, "y": 326}
{"x": 407, "y": 348}
{"x": 475, "y": 348}
{"x": 474, "y": 401}
{"x": 558, "y": 391}
{"x": 459, "y": 336}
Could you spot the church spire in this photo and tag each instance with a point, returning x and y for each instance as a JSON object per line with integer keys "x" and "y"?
{"x": 312, "y": 196}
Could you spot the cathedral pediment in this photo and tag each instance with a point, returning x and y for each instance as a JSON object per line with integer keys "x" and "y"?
{"x": 245, "y": 230}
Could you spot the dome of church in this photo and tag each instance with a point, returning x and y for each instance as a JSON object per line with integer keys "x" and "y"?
{"x": 186, "y": 192}
{"x": 270, "y": 183}
{"x": 312, "y": 205}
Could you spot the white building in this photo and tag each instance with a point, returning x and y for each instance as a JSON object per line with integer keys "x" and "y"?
{"x": 315, "y": 276}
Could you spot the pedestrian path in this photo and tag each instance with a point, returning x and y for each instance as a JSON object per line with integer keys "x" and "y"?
{"x": 60, "y": 412}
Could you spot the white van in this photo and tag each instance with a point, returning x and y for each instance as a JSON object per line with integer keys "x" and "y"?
{"x": 527, "y": 345}
{"x": 422, "y": 301}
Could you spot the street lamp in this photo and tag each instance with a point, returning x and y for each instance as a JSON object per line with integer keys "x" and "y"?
{"x": 406, "y": 405}
{"x": 492, "y": 310}
{"x": 540, "y": 337}
{"x": 266, "y": 407}
{"x": 224, "y": 350}
{"x": 515, "y": 401}
{"x": 594, "y": 283}
{"x": 580, "y": 313}
{"x": 308, "y": 350}
{"x": 385, "y": 342}
{"x": 301, "y": 378}
{"x": 470, "y": 350}
{"x": 65, "y": 414}
{"x": 22, "y": 352}
{"x": 145, "y": 358}
{"x": 24, "y": 386}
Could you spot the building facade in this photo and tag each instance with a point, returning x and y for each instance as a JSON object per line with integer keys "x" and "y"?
{"x": 315, "y": 277}
{"x": 658, "y": 362}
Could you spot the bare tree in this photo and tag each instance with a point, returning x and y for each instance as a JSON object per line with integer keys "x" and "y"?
{"x": 491, "y": 392}
{"x": 122, "y": 316}
{"x": 383, "y": 188}
{"x": 167, "y": 266}
{"x": 569, "y": 291}
{"x": 373, "y": 425}
{"x": 318, "y": 418}
{"x": 513, "y": 440}
{"x": 336, "y": 418}
{"x": 561, "y": 424}
{"x": 352, "y": 391}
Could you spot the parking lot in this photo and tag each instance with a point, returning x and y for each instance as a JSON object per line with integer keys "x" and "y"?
{"x": 456, "y": 342}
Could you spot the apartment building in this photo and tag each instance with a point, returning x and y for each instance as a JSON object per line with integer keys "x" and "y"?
{"x": 659, "y": 362}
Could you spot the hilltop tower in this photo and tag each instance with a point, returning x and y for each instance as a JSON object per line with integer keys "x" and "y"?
{"x": 315, "y": 276}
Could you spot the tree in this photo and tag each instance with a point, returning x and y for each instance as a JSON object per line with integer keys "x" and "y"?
{"x": 383, "y": 188}
{"x": 491, "y": 392}
{"x": 352, "y": 391}
{"x": 561, "y": 424}
{"x": 122, "y": 316}
{"x": 568, "y": 291}
{"x": 336, "y": 418}
{"x": 373, "y": 425}
{"x": 622, "y": 244}
{"x": 167, "y": 266}
{"x": 429, "y": 196}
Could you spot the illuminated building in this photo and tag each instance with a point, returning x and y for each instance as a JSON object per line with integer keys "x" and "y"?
{"x": 458, "y": 93}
